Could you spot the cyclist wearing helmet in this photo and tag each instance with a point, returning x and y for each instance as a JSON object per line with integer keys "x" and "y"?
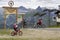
{"x": 39, "y": 22}
{"x": 15, "y": 26}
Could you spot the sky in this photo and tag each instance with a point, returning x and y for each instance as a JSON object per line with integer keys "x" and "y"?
{"x": 32, "y": 3}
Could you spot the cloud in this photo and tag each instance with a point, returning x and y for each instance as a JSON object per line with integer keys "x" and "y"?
{"x": 23, "y": 0}
{"x": 50, "y": 1}
{"x": 33, "y": 3}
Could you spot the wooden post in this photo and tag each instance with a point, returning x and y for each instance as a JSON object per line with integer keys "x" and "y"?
{"x": 22, "y": 21}
{"x": 9, "y": 10}
{"x": 16, "y": 16}
{"x": 4, "y": 20}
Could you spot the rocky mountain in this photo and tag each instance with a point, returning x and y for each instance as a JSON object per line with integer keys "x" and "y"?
{"x": 22, "y": 8}
{"x": 39, "y": 8}
{"x": 29, "y": 15}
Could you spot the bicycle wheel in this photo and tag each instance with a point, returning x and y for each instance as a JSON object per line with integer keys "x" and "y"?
{"x": 13, "y": 33}
{"x": 20, "y": 33}
{"x": 43, "y": 26}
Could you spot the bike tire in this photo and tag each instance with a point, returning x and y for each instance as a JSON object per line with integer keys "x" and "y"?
{"x": 20, "y": 33}
{"x": 13, "y": 33}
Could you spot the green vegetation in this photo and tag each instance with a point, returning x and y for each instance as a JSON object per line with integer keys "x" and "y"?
{"x": 54, "y": 26}
{"x": 4, "y": 32}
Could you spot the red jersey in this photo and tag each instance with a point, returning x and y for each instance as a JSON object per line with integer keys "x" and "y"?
{"x": 39, "y": 22}
{"x": 15, "y": 26}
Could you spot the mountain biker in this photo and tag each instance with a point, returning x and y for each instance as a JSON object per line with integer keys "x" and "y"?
{"x": 16, "y": 30}
{"x": 39, "y": 22}
{"x": 24, "y": 23}
{"x": 15, "y": 26}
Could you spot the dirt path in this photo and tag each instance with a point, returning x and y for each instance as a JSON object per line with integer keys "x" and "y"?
{"x": 36, "y": 33}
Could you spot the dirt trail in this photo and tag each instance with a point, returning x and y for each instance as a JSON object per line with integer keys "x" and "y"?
{"x": 35, "y": 33}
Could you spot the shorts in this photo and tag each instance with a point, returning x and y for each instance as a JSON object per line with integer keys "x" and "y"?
{"x": 15, "y": 29}
{"x": 39, "y": 23}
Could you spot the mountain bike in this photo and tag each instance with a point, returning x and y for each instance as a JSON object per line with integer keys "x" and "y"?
{"x": 39, "y": 26}
{"x": 18, "y": 32}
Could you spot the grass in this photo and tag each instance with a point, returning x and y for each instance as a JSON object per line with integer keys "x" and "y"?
{"x": 5, "y": 32}
{"x": 13, "y": 39}
{"x": 28, "y": 34}
{"x": 54, "y": 26}
{"x": 25, "y": 39}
